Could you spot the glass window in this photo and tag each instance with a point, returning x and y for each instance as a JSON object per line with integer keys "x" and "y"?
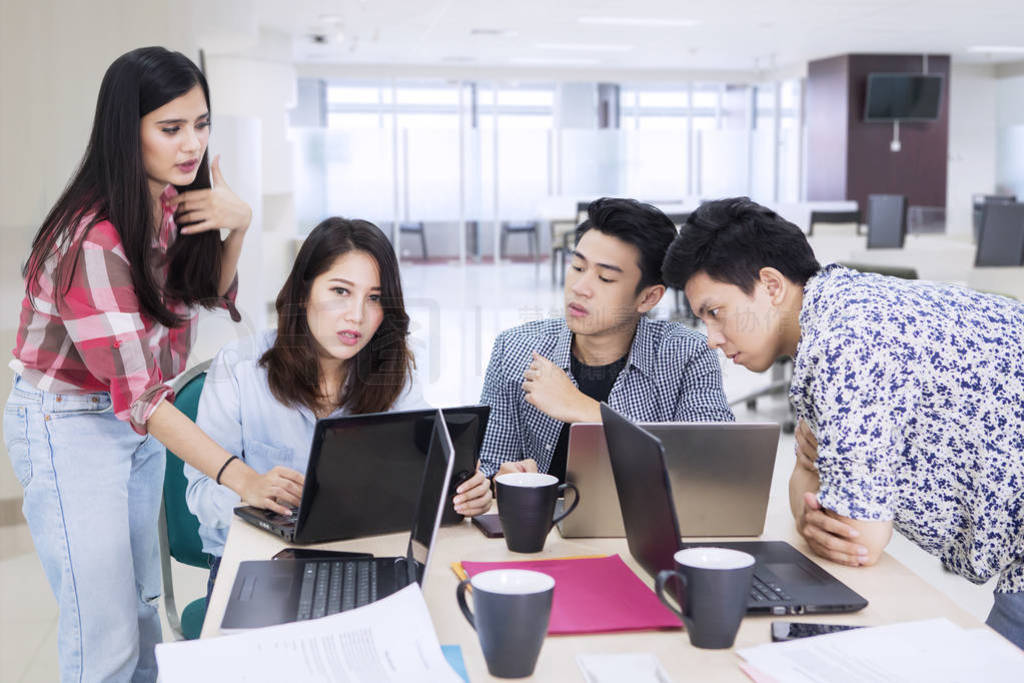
{"x": 428, "y": 95}
{"x": 704, "y": 123}
{"x": 661, "y": 123}
{"x": 765, "y": 98}
{"x": 422, "y": 120}
{"x": 705, "y": 96}
{"x": 526, "y": 98}
{"x": 523, "y": 121}
{"x": 790, "y": 95}
{"x": 663, "y": 98}
{"x": 352, "y": 94}
{"x": 349, "y": 120}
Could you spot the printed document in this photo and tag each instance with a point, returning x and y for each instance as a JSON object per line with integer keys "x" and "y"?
{"x": 392, "y": 639}
{"x": 934, "y": 650}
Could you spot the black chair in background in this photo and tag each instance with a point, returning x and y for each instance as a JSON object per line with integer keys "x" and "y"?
{"x": 1001, "y": 241}
{"x": 562, "y": 241}
{"x": 887, "y": 221}
{"x": 520, "y": 228}
{"x": 836, "y": 217}
{"x": 415, "y": 227}
{"x": 978, "y": 203}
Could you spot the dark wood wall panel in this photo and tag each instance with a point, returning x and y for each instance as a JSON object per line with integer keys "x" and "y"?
{"x": 917, "y": 171}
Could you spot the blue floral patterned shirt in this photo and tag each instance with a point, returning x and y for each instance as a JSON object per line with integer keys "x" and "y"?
{"x": 915, "y": 391}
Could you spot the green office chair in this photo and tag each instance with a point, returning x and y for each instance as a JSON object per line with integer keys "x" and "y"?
{"x": 179, "y": 528}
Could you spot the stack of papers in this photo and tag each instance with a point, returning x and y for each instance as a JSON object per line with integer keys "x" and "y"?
{"x": 389, "y": 640}
{"x": 936, "y": 650}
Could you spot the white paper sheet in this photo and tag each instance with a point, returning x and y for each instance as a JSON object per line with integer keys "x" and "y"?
{"x": 390, "y": 640}
{"x": 935, "y": 650}
{"x": 635, "y": 667}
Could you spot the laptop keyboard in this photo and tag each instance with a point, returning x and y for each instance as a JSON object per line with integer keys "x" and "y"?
{"x": 333, "y": 586}
{"x": 767, "y": 591}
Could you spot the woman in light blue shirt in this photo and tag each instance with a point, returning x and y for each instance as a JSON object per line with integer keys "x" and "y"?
{"x": 341, "y": 347}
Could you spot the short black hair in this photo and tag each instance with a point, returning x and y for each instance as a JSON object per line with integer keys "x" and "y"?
{"x": 635, "y": 223}
{"x": 732, "y": 240}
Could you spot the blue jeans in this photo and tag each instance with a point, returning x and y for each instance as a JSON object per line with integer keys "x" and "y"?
{"x": 92, "y": 497}
{"x": 214, "y": 568}
{"x": 1007, "y": 617}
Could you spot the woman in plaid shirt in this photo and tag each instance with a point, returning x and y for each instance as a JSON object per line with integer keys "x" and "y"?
{"x": 113, "y": 290}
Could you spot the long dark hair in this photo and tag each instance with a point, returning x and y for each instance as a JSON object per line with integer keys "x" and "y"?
{"x": 111, "y": 184}
{"x": 379, "y": 372}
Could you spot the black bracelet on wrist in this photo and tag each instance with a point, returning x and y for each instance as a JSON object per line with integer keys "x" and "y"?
{"x": 224, "y": 466}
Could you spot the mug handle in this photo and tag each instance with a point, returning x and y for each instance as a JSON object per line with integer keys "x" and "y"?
{"x": 664, "y": 576}
{"x": 575, "y": 502}
{"x": 460, "y": 594}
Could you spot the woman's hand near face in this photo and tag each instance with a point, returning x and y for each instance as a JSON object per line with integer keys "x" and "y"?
{"x": 213, "y": 209}
{"x": 473, "y": 497}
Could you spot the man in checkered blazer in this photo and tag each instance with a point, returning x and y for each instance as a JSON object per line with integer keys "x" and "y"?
{"x": 547, "y": 374}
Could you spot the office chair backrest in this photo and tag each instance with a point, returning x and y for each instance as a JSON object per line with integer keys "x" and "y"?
{"x": 982, "y": 199}
{"x": 887, "y": 221}
{"x": 1001, "y": 241}
{"x": 183, "y": 540}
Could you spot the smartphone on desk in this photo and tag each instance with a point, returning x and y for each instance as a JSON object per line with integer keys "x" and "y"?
{"x": 315, "y": 554}
{"x": 791, "y": 630}
{"x": 489, "y": 525}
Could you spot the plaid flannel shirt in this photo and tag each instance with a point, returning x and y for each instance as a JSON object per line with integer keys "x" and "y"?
{"x": 670, "y": 376}
{"x": 94, "y": 337}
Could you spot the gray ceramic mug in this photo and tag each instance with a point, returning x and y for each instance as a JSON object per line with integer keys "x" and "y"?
{"x": 526, "y": 508}
{"x": 512, "y": 611}
{"x": 714, "y": 586}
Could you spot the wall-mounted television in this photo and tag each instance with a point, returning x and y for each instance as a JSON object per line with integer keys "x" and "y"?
{"x": 903, "y": 97}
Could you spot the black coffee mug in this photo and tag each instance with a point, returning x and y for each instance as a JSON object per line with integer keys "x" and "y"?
{"x": 526, "y": 508}
{"x": 714, "y": 586}
{"x": 513, "y": 609}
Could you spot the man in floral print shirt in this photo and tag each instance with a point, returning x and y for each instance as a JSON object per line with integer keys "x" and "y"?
{"x": 910, "y": 395}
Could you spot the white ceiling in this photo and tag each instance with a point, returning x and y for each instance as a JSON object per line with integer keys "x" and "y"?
{"x": 729, "y": 34}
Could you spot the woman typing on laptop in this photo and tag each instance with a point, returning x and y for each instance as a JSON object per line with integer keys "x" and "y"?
{"x": 340, "y": 348}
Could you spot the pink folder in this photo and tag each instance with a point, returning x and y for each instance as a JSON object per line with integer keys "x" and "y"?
{"x": 594, "y": 595}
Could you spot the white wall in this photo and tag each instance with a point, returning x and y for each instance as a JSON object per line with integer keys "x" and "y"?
{"x": 259, "y": 83}
{"x": 52, "y": 58}
{"x": 972, "y": 142}
{"x": 1010, "y": 122}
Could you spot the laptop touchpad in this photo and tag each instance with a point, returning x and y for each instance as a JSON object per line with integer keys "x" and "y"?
{"x": 794, "y": 574}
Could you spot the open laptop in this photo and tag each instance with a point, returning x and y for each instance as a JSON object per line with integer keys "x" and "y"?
{"x": 720, "y": 474}
{"x": 268, "y": 592}
{"x": 364, "y": 472}
{"x": 785, "y": 581}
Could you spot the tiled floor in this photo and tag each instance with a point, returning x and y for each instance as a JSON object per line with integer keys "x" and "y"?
{"x": 457, "y": 312}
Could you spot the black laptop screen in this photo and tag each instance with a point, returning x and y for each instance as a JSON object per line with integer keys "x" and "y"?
{"x": 433, "y": 491}
{"x": 641, "y": 480}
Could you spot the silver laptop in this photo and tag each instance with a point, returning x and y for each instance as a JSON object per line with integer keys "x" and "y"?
{"x": 720, "y": 474}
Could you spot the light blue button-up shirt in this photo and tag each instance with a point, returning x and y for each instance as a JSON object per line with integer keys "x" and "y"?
{"x": 239, "y": 412}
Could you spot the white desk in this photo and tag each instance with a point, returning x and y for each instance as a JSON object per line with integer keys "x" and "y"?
{"x": 894, "y": 592}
